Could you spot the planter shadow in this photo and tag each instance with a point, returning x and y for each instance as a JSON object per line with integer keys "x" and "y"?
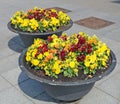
{"x": 33, "y": 89}
{"x": 116, "y": 1}
{"x": 15, "y": 44}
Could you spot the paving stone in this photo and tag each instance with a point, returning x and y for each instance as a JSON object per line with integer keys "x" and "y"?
{"x": 114, "y": 35}
{"x": 31, "y": 88}
{"x": 76, "y": 29}
{"x": 112, "y": 86}
{"x": 115, "y": 71}
{"x": 9, "y": 63}
{"x": 96, "y": 96}
{"x": 15, "y": 76}
{"x": 16, "y": 45}
{"x": 12, "y": 96}
{"x": 5, "y": 52}
{"x": 10, "y": 49}
{"x": 4, "y": 84}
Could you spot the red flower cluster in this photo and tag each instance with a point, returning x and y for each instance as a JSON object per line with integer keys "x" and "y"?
{"x": 41, "y": 49}
{"x": 80, "y": 58}
{"x": 50, "y": 39}
{"x": 39, "y": 14}
{"x": 63, "y": 54}
{"x": 83, "y": 47}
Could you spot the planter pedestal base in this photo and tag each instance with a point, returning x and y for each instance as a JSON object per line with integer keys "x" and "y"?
{"x": 29, "y": 39}
{"x": 67, "y": 93}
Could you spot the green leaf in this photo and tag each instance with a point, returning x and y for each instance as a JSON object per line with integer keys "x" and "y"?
{"x": 37, "y": 68}
{"x": 65, "y": 73}
{"x": 86, "y": 71}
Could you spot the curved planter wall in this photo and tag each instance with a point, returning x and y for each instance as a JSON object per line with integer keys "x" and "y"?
{"x": 67, "y": 91}
{"x": 28, "y": 38}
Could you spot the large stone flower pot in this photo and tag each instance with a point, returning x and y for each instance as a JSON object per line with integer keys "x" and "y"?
{"x": 67, "y": 91}
{"x": 28, "y": 38}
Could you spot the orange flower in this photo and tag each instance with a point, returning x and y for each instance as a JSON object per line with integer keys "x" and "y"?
{"x": 67, "y": 47}
{"x": 30, "y": 10}
{"x": 50, "y": 56}
{"x": 25, "y": 15}
{"x": 56, "y": 45}
{"x": 90, "y": 41}
{"x": 52, "y": 51}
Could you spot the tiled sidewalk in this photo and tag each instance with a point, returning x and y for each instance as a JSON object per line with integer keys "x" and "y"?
{"x": 17, "y": 88}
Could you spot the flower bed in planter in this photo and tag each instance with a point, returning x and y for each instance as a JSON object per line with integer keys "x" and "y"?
{"x": 68, "y": 66}
{"x": 39, "y": 23}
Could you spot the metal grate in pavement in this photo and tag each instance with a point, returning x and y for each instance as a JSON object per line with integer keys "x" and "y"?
{"x": 93, "y": 22}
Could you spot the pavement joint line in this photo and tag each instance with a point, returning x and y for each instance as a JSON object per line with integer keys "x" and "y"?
{"x": 5, "y": 57}
{"x": 14, "y": 84}
{"x": 7, "y": 82}
{"x": 39, "y": 94}
{"x": 107, "y": 93}
{"x": 24, "y": 94}
{"x": 108, "y": 78}
{"x": 21, "y": 82}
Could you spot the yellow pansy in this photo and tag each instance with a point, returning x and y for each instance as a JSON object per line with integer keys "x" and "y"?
{"x": 33, "y": 24}
{"x": 40, "y": 56}
{"x": 28, "y": 58}
{"x": 45, "y": 23}
{"x": 46, "y": 54}
{"x": 25, "y": 23}
{"x": 35, "y": 62}
{"x": 87, "y": 63}
{"x": 75, "y": 70}
{"x": 72, "y": 64}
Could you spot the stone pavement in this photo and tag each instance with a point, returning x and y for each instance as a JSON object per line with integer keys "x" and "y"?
{"x": 17, "y": 88}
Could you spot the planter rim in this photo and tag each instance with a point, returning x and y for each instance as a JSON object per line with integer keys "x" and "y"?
{"x": 81, "y": 82}
{"x": 44, "y": 33}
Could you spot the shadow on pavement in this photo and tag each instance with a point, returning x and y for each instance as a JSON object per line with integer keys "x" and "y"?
{"x": 33, "y": 89}
{"x": 15, "y": 44}
{"x": 116, "y": 1}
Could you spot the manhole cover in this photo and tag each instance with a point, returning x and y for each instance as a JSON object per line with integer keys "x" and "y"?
{"x": 61, "y": 9}
{"x": 93, "y": 22}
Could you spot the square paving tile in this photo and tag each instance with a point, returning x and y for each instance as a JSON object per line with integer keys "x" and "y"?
{"x": 112, "y": 86}
{"x": 8, "y": 63}
{"x": 12, "y": 96}
{"x": 93, "y": 22}
{"x": 61, "y": 9}
{"x": 95, "y": 96}
{"x": 4, "y": 84}
{"x": 15, "y": 76}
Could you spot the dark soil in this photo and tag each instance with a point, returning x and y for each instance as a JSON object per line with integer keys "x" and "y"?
{"x": 61, "y": 78}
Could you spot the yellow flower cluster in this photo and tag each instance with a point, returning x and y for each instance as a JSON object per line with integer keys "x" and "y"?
{"x": 39, "y": 19}
{"x": 64, "y": 18}
{"x": 65, "y": 54}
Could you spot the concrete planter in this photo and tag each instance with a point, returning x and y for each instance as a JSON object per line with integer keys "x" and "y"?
{"x": 28, "y": 38}
{"x": 67, "y": 91}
